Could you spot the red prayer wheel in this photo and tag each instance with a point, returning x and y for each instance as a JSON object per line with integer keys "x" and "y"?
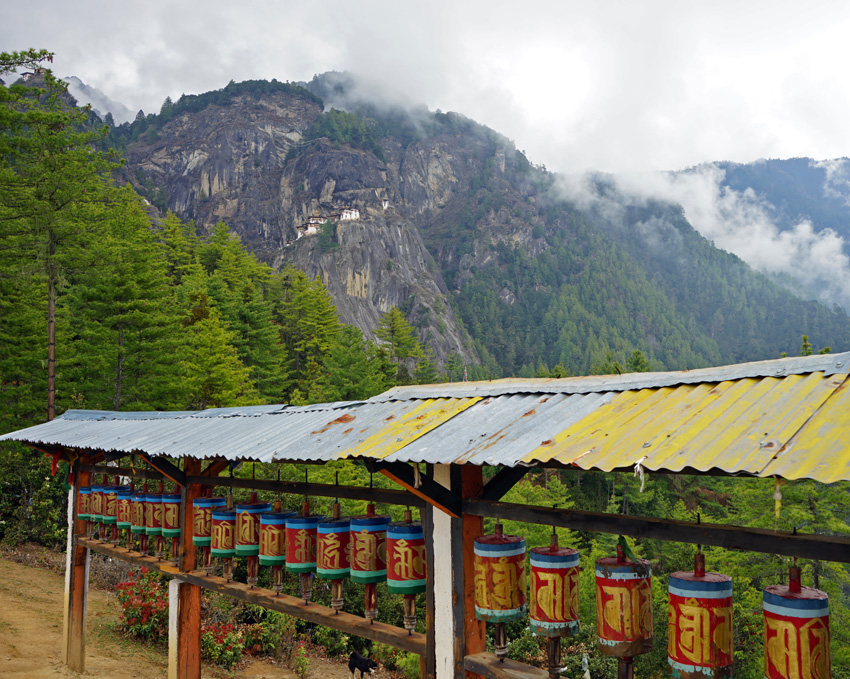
{"x": 248, "y": 533}
{"x": 699, "y": 628}
{"x": 499, "y": 564}
{"x": 406, "y": 566}
{"x": 369, "y": 555}
{"x": 202, "y": 509}
{"x": 554, "y": 590}
{"x": 273, "y": 544}
{"x": 623, "y": 606}
{"x": 301, "y": 548}
{"x": 84, "y": 504}
{"x": 224, "y": 538}
{"x": 796, "y": 631}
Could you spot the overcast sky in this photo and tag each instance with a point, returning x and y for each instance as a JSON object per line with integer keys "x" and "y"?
{"x": 616, "y": 86}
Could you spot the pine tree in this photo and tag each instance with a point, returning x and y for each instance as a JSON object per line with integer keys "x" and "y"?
{"x": 307, "y": 319}
{"x": 124, "y": 328}
{"x": 237, "y": 284}
{"x": 396, "y": 332}
{"x": 50, "y": 181}
{"x": 210, "y": 367}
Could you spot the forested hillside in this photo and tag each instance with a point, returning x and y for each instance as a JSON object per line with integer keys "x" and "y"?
{"x": 481, "y": 249}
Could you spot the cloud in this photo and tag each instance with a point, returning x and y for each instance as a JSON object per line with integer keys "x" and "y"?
{"x": 739, "y": 222}
{"x": 616, "y": 86}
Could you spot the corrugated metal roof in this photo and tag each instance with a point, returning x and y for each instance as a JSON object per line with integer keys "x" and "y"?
{"x": 786, "y": 417}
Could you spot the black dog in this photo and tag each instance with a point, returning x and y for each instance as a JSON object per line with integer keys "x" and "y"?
{"x": 358, "y": 662}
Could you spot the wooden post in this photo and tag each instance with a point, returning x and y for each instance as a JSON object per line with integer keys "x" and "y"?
{"x": 473, "y": 631}
{"x": 76, "y": 585}
{"x": 184, "y": 615}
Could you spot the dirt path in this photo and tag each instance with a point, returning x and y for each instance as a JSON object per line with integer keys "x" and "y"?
{"x": 31, "y": 631}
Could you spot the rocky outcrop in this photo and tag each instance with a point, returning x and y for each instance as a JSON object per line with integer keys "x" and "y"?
{"x": 248, "y": 165}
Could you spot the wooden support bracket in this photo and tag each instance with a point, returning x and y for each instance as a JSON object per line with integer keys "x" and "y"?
{"x": 505, "y": 479}
{"x": 433, "y": 493}
{"x": 167, "y": 469}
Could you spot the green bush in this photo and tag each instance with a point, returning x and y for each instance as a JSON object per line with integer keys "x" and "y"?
{"x": 408, "y": 663}
{"x": 333, "y": 641}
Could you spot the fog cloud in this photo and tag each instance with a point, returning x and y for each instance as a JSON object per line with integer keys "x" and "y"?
{"x": 739, "y": 222}
{"x": 615, "y": 86}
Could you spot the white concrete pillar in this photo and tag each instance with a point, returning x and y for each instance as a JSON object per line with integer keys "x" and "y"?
{"x": 444, "y": 619}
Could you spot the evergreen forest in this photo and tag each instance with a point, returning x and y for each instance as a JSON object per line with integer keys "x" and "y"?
{"x": 108, "y": 304}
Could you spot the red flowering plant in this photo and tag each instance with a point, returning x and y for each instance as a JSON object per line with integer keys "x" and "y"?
{"x": 221, "y": 644}
{"x": 144, "y": 603}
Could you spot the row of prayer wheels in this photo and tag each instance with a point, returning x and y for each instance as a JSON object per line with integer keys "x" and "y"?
{"x": 367, "y": 549}
{"x": 796, "y": 639}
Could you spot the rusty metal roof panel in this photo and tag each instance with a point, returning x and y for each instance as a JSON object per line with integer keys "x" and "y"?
{"x": 499, "y": 430}
{"x": 317, "y": 433}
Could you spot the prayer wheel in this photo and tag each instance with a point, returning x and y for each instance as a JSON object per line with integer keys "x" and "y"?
{"x": 301, "y": 546}
{"x": 554, "y": 597}
{"x": 137, "y": 514}
{"x": 123, "y": 518}
{"x": 248, "y": 533}
{"x": 84, "y": 506}
{"x": 699, "y": 638}
{"x": 332, "y": 554}
{"x": 273, "y": 544}
{"x": 223, "y": 541}
{"x": 153, "y": 520}
{"x": 96, "y": 507}
{"x": 623, "y": 609}
{"x": 171, "y": 504}
{"x": 796, "y": 631}
{"x": 499, "y": 563}
{"x": 369, "y": 554}
{"x": 406, "y": 567}
{"x": 202, "y": 509}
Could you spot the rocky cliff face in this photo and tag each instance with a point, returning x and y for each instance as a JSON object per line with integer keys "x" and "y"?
{"x": 233, "y": 164}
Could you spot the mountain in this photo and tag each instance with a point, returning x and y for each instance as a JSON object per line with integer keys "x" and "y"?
{"x": 100, "y": 103}
{"x": 489, "y": 256}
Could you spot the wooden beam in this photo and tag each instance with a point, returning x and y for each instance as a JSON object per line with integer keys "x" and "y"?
{"x": 167, "y": 469}
{"x": 505, "y": 479}
{"x": 805, "y": 546}
{"x": 433, "y": 493}
{"x": 488, "y": 665}
{"x": 215, "y": 467}
{"x": 321, "y": 615}
{"x": 382, "y": 495}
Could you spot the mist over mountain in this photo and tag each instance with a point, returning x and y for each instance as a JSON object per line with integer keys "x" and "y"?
{"x": 491, "y": 257}
{"x": 100, "y": 103}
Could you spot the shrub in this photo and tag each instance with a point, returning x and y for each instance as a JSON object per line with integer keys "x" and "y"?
{"x": 408, "y": 663}
{"x": 221, "y": 644}
{"x": 300, "y": 661}
{"x": 144, "y": 604}
{"x": 333, "y": 641}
